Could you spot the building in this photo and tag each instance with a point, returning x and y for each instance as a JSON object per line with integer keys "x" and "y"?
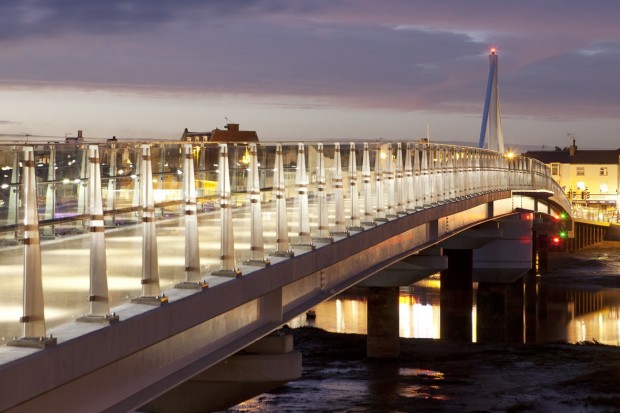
{"x": 590, "y": 178}
{"x": 231, "y": 134}
{"x": 75, "y": 139}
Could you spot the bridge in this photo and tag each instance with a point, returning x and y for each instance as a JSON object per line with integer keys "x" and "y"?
{"x": 158, "y": 260}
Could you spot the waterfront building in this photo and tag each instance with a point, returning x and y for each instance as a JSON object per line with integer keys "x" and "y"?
{"x": 590, "y": 178}
{"x": 231, "y": 134}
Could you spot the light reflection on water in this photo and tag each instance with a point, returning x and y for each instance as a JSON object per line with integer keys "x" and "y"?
{"x": 564, "y": 313}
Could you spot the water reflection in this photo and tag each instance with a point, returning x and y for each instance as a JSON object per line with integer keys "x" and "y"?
{"x": 564, "y": 313}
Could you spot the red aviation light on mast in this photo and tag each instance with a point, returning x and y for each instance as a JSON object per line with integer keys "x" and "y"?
{"x": 493, "y": 50}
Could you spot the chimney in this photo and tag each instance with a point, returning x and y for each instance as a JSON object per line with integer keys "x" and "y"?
{"x": 79, "y": 134}
{"x": 572, "y": 150}
{"x": 232, "y": 127}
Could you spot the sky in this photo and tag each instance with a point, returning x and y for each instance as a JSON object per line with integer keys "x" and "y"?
{"x": 311, "y": 69}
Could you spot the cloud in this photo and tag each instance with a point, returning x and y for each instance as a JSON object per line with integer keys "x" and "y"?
{"x": 557, "y": 56}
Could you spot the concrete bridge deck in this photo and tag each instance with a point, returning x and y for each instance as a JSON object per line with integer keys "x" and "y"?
{"x": 152, "y": 349}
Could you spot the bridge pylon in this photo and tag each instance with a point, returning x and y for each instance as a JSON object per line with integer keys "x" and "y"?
{"x": 491, "y": 114}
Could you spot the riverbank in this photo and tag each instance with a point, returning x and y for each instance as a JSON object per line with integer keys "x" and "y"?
{"x": 442, "y": 376}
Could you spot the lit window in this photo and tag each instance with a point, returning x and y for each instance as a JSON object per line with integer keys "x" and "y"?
{"x": 581, "y": 171}
{"x": 603, "y": 171}
{"x": 555, "y": 169}
{"x": 581, "y": 186}
{"x": 604, "y": 189}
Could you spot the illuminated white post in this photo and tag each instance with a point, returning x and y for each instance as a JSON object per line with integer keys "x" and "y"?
{"x": 14, "y": 190}
{"x": 450, "y": 171}
{"x": 484, "y": 181}
{"x": 33, "y": 318}
{"x": 380, "y": 207}
{"x": 98, "y": 298}
{"x": 83, "y": 183}
{"x": 426, "y": 177}
{"x": 459, "y": 165}
{"x": 50, "y": 193}
{"x": 390, "y": 211}
{"x": 192, "y": 245}
{"x": 477, "y": 175}
{"x": 367, "y": 190}
{"x": 409, "y": 181}
{"x": 418, "y": 179}
{"x": 162, "y": 166}
{"x": 257, "y": 241}
{"x": 432, "y": 174}
{"x": 111, "y": 194}
{"x": 340, "y": 227}
{"x": 282, "y": 239}
{"x": 323, "y": 217}
{"x": 440, "y": 175}
{"x": 467, "y": 170}
{"x": 401, "y": 202}
{"x": 356, "y": 224}
{"x": 137, "y": 177}
{"x": 227, "y": 257}
{"x": 301, "y": 184}
{"x": 151, "y": 293}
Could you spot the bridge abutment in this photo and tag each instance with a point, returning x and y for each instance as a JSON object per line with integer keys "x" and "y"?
{"x": 260, "y": 367}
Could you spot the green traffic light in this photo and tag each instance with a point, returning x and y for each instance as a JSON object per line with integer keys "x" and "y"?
{"x": 563, "y": 234}
{"x": 563, "y": 215}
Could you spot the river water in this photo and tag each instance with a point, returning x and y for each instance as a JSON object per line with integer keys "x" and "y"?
{"x": 573, "y": 311}
{"x": 573, "y": 314}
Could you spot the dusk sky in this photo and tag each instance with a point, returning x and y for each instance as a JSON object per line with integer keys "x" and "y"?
{"x": 311, "y": 69}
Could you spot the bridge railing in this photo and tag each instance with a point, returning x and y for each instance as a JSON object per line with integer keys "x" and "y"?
{"x": 311, "y": 192}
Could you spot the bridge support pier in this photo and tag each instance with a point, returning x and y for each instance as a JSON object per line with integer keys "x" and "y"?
{"x": 531, "y": 306}
{"x": 383, "y": 336}
{"x": 456, "y": 296}
{"x": 499, "y": 317}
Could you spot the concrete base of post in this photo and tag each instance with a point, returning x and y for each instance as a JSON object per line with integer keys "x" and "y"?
{"x": 284, "y": 254}
{"x": 301, "y": 246}
{"x": 102, "y": 319}
{"x": 228, "y": 273}
{"x": 33, "y": 342}
{"x": 153, "y": 301}
{"x": 188, "y": 285}
{"x": 258, "y": 263}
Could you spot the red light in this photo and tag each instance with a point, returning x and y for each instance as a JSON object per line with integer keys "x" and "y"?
{"x": 556, "y": 240}
{"x": 493, "y": 50}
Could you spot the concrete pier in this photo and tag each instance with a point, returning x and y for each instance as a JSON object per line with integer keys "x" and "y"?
{"x": 383, "y": 334}
{"x": 456, "y": 296}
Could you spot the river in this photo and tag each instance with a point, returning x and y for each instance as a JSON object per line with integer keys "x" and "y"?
{"x": 579, "y": 302}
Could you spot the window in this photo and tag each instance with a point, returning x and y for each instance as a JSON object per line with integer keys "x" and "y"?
{"x": 581, "y": 171}
{"x": 581, "y": 186}
{"x": 604, "y": 188}
{"x": 555, "y": 169}
{"x": 603, "y": 171}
